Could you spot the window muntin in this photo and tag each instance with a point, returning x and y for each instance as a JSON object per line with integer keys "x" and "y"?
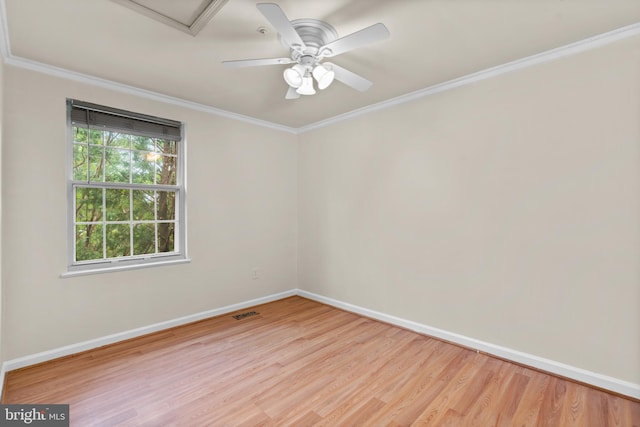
{"x": 126, "y": 188}
{"x": 122, "y": 222}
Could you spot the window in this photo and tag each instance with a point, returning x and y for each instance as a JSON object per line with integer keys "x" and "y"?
{"x": 126, "y": 189}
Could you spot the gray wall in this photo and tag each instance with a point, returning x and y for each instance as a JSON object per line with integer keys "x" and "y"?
{"x": 242, "y": 215}
{"x": 1, "y": 211}
{"x": 506, "y": 211}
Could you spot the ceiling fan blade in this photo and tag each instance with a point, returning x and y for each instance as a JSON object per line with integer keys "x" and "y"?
{"x": 292, "y": 94}
{"x": 256, "y": 62}
{"x": 350, "y": 78}
{"x": 281, "y": 23}
{"x": 374, "y": 33}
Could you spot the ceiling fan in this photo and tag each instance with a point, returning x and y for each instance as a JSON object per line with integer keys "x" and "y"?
{"x": 310, "y": 41}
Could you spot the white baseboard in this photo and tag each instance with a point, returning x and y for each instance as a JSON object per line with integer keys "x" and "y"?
{"x": 597, "y": 380}
{"x": 44, "y": 356}
{"x": 551, "y": 366}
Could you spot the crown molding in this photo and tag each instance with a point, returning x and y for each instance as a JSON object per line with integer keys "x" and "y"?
{"x": 529, "y": 61}
{"x": 143, "y": 93}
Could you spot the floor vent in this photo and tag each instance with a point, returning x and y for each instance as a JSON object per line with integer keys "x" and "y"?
{"x": 243, "y": 315}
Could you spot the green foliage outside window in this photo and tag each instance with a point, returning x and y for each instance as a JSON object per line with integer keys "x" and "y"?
{"x": 120, "y": 219}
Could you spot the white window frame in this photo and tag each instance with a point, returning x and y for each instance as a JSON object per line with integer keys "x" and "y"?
{"x": 75, "y": 268}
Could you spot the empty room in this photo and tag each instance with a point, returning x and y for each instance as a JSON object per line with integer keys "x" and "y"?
{"x": 320, "y": 212}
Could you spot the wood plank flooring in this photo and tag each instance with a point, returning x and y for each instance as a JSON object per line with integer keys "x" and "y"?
{"x": 301, "y": 363}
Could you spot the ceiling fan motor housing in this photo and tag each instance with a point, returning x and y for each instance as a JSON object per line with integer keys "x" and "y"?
{"x": 315, "y": 34}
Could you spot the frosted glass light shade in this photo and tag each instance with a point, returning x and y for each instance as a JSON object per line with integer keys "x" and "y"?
{"x": 307, "y": 87}
{"x": 323, "y": 76}
{"x": 293, "y": 76}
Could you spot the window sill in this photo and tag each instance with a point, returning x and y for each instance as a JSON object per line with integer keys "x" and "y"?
{"x": 101, "y": 270}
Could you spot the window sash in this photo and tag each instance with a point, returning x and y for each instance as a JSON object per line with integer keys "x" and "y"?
{"x": 179, "y": 228}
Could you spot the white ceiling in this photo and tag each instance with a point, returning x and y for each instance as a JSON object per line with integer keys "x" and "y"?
{"x": 432, "y": 41}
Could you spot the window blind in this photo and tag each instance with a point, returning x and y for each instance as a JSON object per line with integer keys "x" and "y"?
{"x": 111, "y": 119}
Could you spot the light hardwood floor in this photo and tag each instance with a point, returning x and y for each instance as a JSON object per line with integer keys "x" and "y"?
{"x": 301, "y": 363}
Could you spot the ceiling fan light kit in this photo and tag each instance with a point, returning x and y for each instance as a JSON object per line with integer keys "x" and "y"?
{"x": 310, "y": 41}
{"x": 299, "y": 77}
